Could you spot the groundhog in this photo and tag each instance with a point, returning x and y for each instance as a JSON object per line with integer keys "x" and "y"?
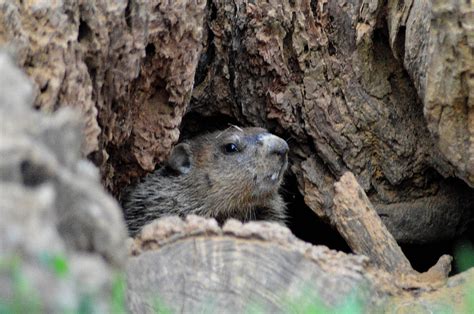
{"x": 235, "y": 173}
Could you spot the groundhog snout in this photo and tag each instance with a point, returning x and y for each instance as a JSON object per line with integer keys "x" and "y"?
{"x": 274, "y": 145}
{"x": 279, "y": 149}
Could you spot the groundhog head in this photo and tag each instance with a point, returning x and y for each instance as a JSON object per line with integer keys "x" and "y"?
{"x": 237, "y": 167}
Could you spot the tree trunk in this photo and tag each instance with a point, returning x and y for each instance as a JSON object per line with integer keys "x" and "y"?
{"x": 382, "y": 89}
{"x": 366, "y": 86}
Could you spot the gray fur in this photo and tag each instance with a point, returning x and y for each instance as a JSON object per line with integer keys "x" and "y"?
{"x": 201, "y": 178}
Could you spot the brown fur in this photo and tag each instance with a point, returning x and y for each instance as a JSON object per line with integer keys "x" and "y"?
{"x": 202, "y": 178}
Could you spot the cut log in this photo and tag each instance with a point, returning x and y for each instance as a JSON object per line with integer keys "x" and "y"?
{"x": 194, "y": 265}
{"x": 189, "y": 264}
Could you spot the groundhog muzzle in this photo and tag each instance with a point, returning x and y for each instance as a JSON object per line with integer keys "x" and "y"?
{"x": 235, "y": 173}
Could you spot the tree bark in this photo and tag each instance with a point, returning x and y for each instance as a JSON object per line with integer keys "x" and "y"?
{"x": 326, "y": 74}
{"x": 366, "y": 86}
{"x": 127, "y": 67}
{"x": 382, "y": 89}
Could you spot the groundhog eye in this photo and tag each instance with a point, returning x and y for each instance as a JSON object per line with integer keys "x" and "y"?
{"x": 231, "y": 148}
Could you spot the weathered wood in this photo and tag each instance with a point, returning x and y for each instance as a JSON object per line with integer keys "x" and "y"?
{"x": 358, "y": 222}
{"x": 191, "y": 264}
{"x": 194, "y": 265}
{"x": 342, "y": 80}
{"x": 348, "y": 81}
{"x": 360, "y": 225}
{"x": 434, "y": 39}
{"x": 127, "y": 66}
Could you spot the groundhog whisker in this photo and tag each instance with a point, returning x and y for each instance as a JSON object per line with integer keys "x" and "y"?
{"x": 236, "y": 127}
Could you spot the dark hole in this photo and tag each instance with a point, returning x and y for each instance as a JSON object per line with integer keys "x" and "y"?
{"x": 84, "y": 31}
{"x": 314, "y": 7}
{"x": 128, "y": 14}
{"x": 381, "y": 35}
{"x": 305, "y": 224}
{"x": 193, "y": 124}
{"x": 422, "y": 257}
{"x": 400, "y": 43}
{"x": 115, "y": 106}
{"x": 213, "y": 7}
{"x": 44, "y": 88}
{"x": 150, "y": 50}
{"x": 32, "y": 175}
{"x": 331, "y": 49}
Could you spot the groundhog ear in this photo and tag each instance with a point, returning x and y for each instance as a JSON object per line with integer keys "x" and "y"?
{"x": 180, "y": 158}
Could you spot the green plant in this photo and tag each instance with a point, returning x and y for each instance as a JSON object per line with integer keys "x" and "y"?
{"x": 23, "y": 297}
{"x": 311, "y": 303}
{"x": 159, "y": 307}
{"x": 56, "y": 263}
{"x": 118, "y": 294}
{"x": 464, "y": 258}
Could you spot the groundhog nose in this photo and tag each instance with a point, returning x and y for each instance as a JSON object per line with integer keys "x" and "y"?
{"x": 276, "y": 145}
{"x": 280, "y": 149}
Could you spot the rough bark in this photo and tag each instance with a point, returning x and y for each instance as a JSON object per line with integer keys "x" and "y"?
{"x": 326, "y": 75}
{"x": 128, "y": 67}
{"x": 379, "y": 88}
{"x": 434, "y": 40}
{"x": 367, "y": 86}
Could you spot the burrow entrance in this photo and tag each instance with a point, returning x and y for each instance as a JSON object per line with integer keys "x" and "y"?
{"x": 307, "y": 226}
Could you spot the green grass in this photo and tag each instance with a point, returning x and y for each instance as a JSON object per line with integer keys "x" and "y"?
{"x": 57, "y": 263}
{"x": 24, "y": 299}
{"x": 464, "y": 254}
{"x": 159, "y": 307}
{"x": 310, "y": 303}
{"x": 117, "y": 303}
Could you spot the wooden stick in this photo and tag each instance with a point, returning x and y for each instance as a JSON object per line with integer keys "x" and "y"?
{"x": 360, "y": 225}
